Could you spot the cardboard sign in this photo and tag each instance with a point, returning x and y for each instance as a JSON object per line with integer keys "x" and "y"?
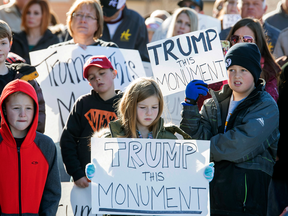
{"x": 150, "y": 176}
{"x": 61, "y": 78}
{"x": 178, "y": 60}
{"x": 229, "y": 20}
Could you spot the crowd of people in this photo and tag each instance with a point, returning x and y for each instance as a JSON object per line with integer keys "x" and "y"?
{"x": 244, "y": 117}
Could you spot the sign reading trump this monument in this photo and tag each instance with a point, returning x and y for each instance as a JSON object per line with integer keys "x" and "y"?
{"x": 150, "y": 176}
{"x": 178, "y": 60}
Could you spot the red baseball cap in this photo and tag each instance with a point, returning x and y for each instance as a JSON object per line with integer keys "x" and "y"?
{"x": 100, "y": 61}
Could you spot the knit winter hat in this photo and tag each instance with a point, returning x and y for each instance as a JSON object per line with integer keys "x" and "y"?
{"x": 246, "y": 55}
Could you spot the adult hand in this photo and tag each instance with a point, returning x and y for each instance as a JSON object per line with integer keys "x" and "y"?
{"x": 90, "y": 170}
{"x": 193, "y": 90}
{"x": 209, "y": 172}
{"x": 82, "y": 182}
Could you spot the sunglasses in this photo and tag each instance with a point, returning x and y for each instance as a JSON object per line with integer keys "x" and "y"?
{"x": 245, "y": 38}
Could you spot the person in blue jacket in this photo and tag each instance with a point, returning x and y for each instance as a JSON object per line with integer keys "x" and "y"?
{"x": 241, "y": 121}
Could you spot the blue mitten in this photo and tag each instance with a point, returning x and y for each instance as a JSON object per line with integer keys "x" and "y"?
{"x": 90, "y": 170}
{"x": 209, "y": 172}
{"x": 193, "y": 90}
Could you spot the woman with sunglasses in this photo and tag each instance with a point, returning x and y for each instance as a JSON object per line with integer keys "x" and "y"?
{"x": 249, "y": 30}
{"x": 85, "y": 24}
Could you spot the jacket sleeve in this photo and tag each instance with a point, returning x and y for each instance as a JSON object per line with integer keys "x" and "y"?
{"x": 52, "y": 191}
{"x": 41, "y": 102}
{"x": 142, "y": 40}
{"x": 69, "y": 142}
{"x": 195, "y": 124}
{"x": 257, "y": 132}
{"x": 278, "y": 50}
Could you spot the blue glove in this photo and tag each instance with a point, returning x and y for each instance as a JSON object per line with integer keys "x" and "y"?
{"x": 209, "y": 172}
{"x": 193, "y": 90}
{"x": 90, "y": 170}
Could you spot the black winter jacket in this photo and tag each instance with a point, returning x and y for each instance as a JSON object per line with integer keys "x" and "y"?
{"x": 20, "y": 44}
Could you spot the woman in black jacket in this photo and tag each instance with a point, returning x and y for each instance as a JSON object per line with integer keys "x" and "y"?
{"x": 36, "y": 35}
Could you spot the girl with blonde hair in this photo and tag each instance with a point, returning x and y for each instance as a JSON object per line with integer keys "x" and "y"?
{"x": 139, "y": 113}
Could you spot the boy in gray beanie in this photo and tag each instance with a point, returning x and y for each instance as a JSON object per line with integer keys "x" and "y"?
{"x": 241, "y": 121}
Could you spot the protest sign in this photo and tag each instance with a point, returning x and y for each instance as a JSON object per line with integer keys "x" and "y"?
{"x": 173, "y": 107}
{"x": 178, "y": 60}
{"x": 230, "y": 19}
{"x": 61, "y": 78}
{"x": 205, "y": 22}
{"x": 150, "y": 176}
{"x": 75, "y": 201}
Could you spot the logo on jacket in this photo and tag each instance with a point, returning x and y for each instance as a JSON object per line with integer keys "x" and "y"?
{"x": 125, "y": 35}
{"x": 99, "y": 118}
{"x": 261, "y": 121}
{"x": 34, "y": 162}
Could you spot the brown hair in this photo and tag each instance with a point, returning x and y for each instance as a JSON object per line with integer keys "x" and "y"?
{"x": 45, "y": 15}
{"x": 5, "y": 31}
{"x": 260, "y": 41}
{"x": 137, "y": 91}
{"x": 99, "y": 15}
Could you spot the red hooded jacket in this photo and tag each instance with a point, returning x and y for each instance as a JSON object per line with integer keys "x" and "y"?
{"x": 29, "y": 176}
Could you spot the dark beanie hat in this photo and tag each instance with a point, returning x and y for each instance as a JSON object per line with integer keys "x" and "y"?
{"x": 246, "y": 55}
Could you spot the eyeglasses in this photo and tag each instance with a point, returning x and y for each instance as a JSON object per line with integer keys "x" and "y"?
{"x": 81, "y": 16}
{"x": 245, "y": 38}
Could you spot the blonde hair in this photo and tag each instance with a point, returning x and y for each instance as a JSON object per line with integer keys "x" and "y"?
{"x": 5, "y": 31}
{"x": 137, "y": 91}
{"x": 99, "y": 15}
{"x": 46, "y": 15}
{"x": 193, "y": 17}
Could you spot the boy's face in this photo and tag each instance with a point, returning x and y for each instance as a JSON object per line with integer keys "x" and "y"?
{"x": 102, "y": 80}
{"x": 240, "y": 81}
{"x": 20, "y": 113}
{"x": 4, "y": 49}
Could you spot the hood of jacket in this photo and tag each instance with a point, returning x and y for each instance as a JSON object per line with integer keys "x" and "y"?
{"x": 163, "y": 131}
{"x": 10, "y": 88}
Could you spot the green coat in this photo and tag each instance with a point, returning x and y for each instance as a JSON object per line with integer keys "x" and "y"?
{"x": 164, "y": 132}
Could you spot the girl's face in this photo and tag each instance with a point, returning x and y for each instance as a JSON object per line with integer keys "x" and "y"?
{"x": 182, "y": 25}
{"x": 147, "y": 111}
{"x": 34, "y": 16}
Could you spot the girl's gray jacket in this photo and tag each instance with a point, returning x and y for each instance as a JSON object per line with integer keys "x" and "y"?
{"x": 252, "y": 133}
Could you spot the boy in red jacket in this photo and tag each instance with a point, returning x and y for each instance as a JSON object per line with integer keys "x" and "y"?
{"x": 27, "y": 156}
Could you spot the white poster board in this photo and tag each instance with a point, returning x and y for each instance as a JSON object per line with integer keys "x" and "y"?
{"x": 150, "y": 176}
{"x": 230, "y": 19}
{"x": 75, "y": 201}
{"x": 178, "y": 60}
{"x": 205, "y": 22}
{"x": 61, "y": 78}
{"x": 173, "y": 108}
